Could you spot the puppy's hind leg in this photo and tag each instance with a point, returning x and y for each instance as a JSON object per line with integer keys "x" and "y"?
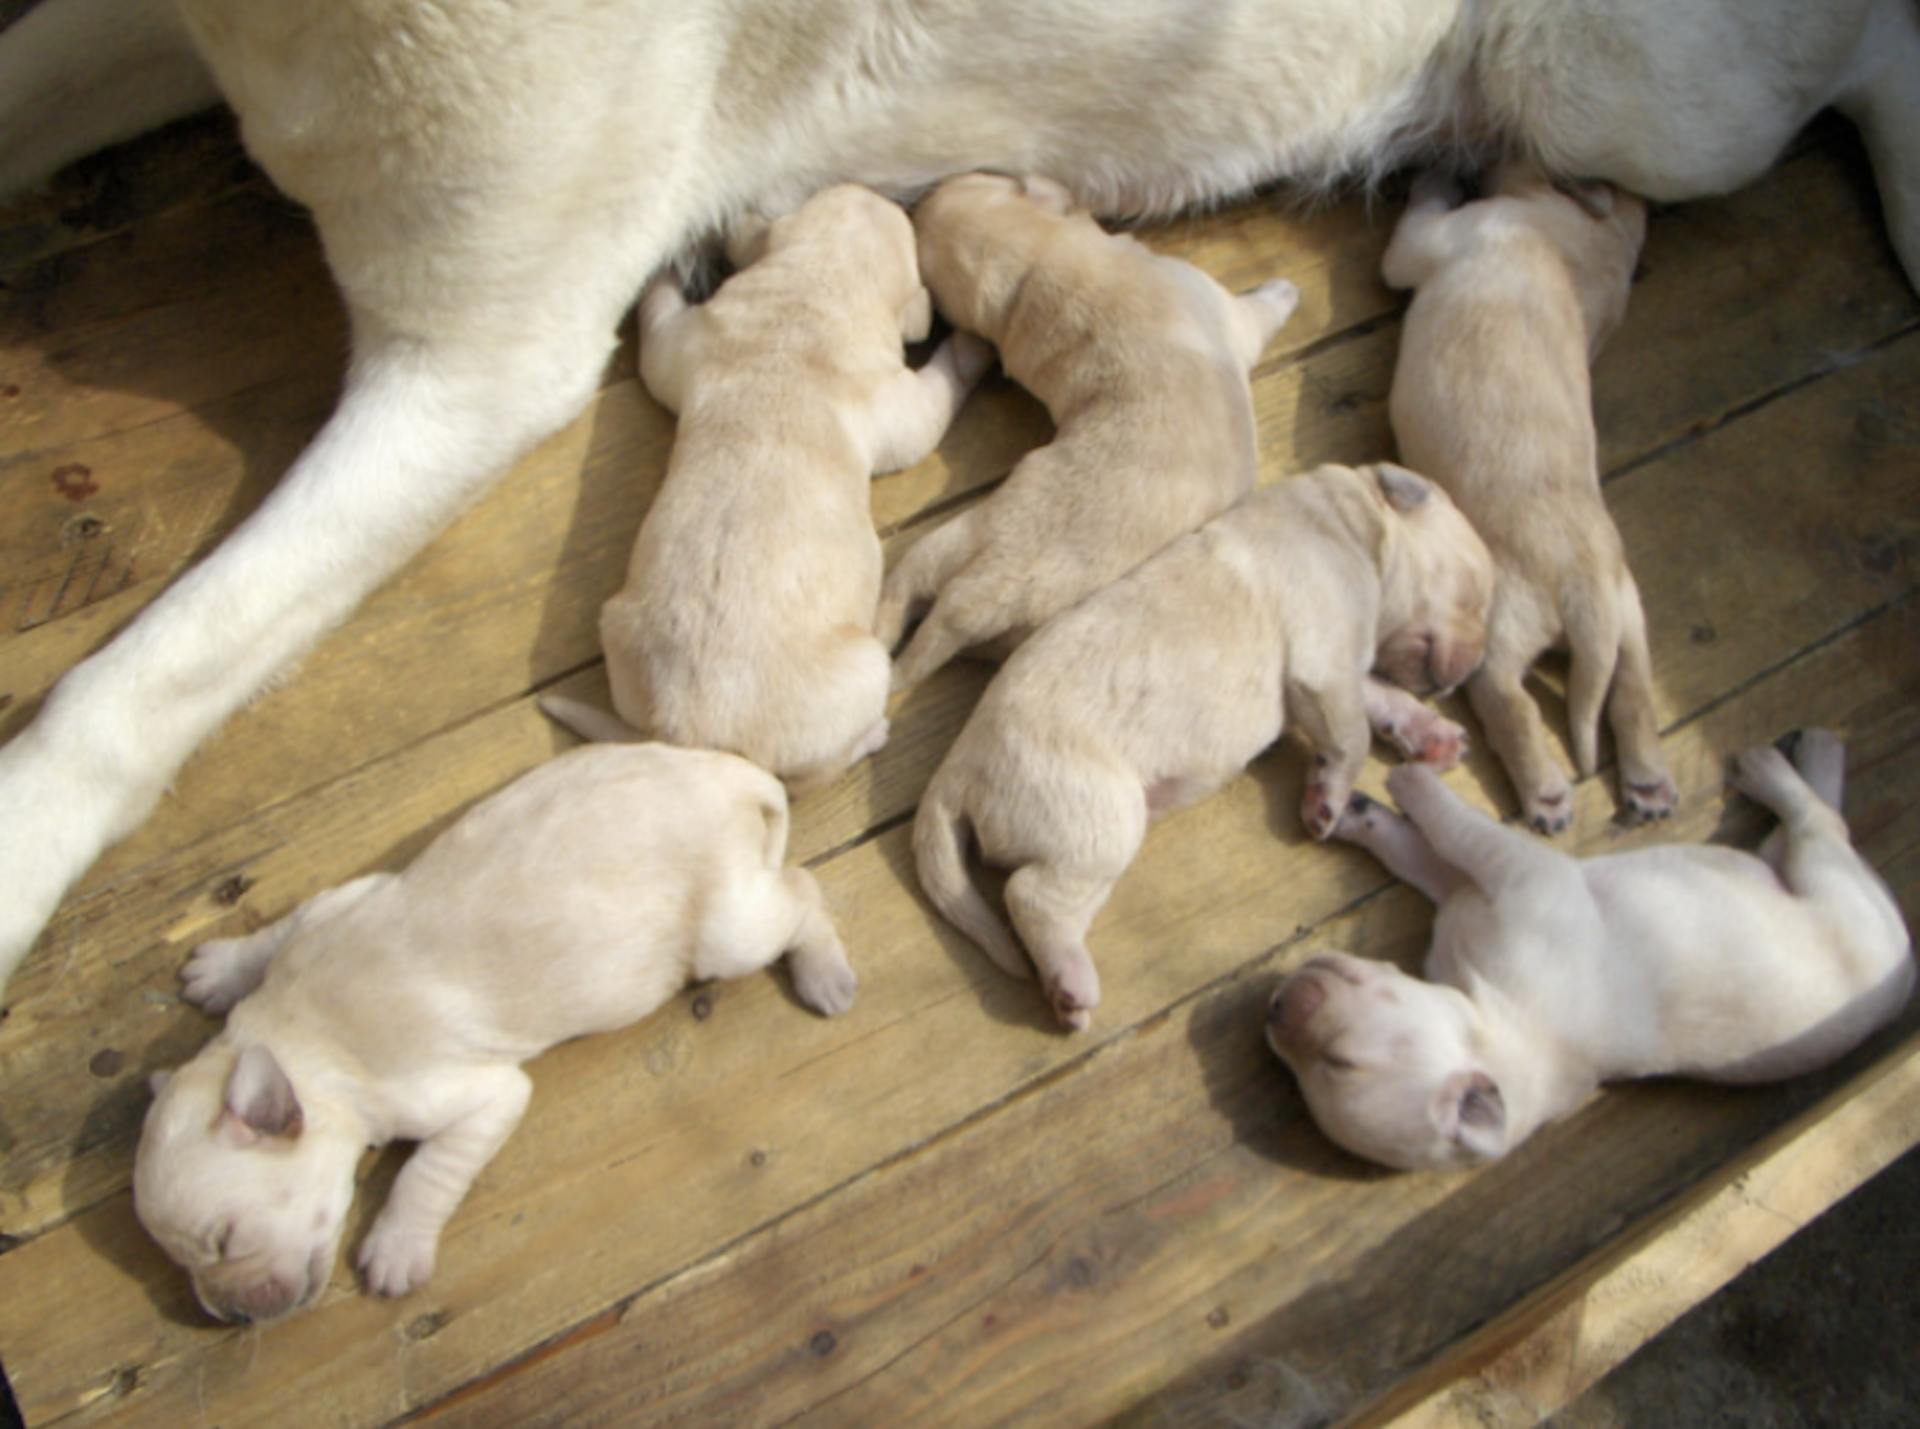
{"x": 1813, "y": 852}
{"x": 1518, "y": 737}
{"x": 1647, "y": 790}
{"x": 919, "y": 576}
{"x": 1051, "y": 908}
{"x": 78, "y": 75}
{"x": 822, "y": 977}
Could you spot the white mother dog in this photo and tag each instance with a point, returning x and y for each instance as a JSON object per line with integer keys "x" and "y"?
{"x": 493, "y": 185}
{"x": 399, "y": 1007}
{"x": 1551, "y": 975}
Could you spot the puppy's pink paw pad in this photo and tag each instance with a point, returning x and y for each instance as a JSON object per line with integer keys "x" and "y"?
{"x": 396, "y": 1262}
{"x": 1319, "y": 812}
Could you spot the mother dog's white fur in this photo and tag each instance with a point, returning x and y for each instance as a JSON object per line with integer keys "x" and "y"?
{"x": 1551, "y": 975}
{"x": 494, "y": 183}
{"x": 399, "y": 1007}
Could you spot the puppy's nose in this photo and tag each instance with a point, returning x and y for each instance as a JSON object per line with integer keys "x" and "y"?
{"x": 1292, "y": 1011}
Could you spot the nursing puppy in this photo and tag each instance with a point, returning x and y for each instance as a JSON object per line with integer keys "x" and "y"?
{"x": 1516, "y": 294}
{"x": 1158, "y": 689}
{"x": 399, "y": 1006}
{"x": 1141, "y": 361}
{"x": 493, "y": 183}
{"x": 747, "y": 617}
{"x": 1551, "y": 975}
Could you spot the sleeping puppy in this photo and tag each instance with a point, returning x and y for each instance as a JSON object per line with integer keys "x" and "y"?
{"x": 1141, "y": 361}
{"x": 1551, "y": 975}
{"x": 1516, "y": 294}
{"x": 1160, "y": 688}
{"x": 746, "y": 622}
{"x": 399, "y": 1006}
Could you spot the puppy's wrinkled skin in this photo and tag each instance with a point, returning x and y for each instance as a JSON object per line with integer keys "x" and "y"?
{"x": 1160, "y": 688}
{"x": 493, "y": 183}
{"x": 746, "y": 620}
{"x": 399, "y": 1007}
{"x": 1516, "y": 294}
{"x": 1551, "y": 975}
{"x": 1141, "y": 361}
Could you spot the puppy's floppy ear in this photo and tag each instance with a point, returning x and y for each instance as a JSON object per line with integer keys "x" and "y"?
{"x": 1473, "y": 1114}
{"x": 916, "y": 315}
{"x": 1405, "y": 491}
{"x": 259, "y": 1097}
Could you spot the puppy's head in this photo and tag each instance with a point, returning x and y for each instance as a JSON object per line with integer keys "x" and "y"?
{"x": 1387, "y": 1064}
{"x": 1598, "y": 229}
{"x": 1436, "y": 586}
{"x": 860, "y": 232}
{"x": 243, "y": 1185}
{"x": 978, "y": 236}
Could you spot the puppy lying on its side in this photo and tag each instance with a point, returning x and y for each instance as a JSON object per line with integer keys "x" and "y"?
{"x": 1141, "y": 361}
{"x": 399, "y": 1006}
{"x": 1491, "y": 398}
{"x": 1158, "y": 689}
{"x": 746, "y": 622}
{"x": 1552, "y": 975}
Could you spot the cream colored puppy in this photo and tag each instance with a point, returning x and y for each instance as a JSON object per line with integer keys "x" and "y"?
{"x": 746, "y": 622}
{"x": 1158, "y": 689}
{"x": 1551, "y": 975}
{"x": 1142, "y": 362}
{"x": 1516, "y": 294}
{"x": 399, "y": 1007}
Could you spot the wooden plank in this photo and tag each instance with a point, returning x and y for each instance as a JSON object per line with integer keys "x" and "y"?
{"x": 824, "y": 1102}
{"x": 1165, "y": 1202}
{"x": 1565, "y": 1338}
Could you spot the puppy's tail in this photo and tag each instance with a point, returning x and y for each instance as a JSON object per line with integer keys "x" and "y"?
{"x": 1591, "y": 614}
{"x": 939, "y": 852}
{"x": 588, "y": 721}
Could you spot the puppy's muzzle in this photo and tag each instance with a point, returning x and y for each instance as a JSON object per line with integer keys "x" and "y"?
{"x": 1296, "y": 1002}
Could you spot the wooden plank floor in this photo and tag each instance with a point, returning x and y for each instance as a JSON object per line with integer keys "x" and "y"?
{"x": 937, "y": 1209}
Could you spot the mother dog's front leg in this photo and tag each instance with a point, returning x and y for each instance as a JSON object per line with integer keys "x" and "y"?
{"x": 421, "y": 429}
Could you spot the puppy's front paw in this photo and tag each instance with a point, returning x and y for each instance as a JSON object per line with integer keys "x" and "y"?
{"x": 395, "y": 1260}
{"x": 1763, "y": 774}
{"x": 827, "y": 985}
{"x": 1324, "y": 802}
{"x": 1360, "y": 819}
{"x": 217, "y": 975}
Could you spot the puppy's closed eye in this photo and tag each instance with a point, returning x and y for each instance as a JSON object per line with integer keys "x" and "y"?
{"x": 1336, "y": 1063}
